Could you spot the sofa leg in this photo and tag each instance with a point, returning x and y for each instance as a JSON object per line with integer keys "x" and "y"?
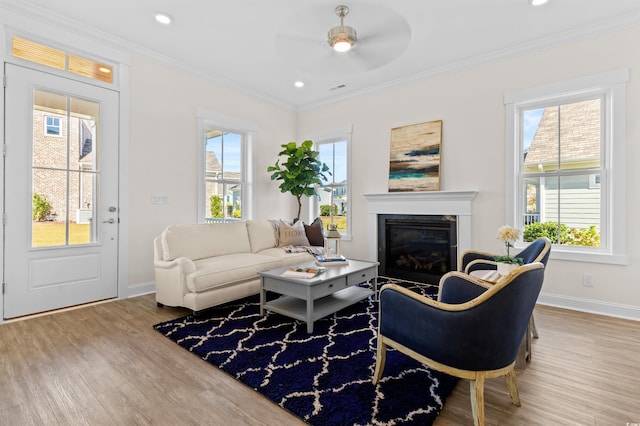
{"x": 159, "y": 305}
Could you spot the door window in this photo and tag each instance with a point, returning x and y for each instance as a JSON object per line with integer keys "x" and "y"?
{"x": 64, "y": 174}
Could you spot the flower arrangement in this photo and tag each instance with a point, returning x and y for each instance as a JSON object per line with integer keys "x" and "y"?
{"x": 509, "y": 235}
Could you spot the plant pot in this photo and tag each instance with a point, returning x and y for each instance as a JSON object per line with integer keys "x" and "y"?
{"x": 506, "y": 268}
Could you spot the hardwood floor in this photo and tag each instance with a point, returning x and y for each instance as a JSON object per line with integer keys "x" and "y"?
{"x": 105, "y": 365}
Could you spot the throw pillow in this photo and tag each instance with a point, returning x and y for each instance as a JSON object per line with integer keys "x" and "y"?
{"x": 292, "y": 235}
{"x": 314, "y": 232}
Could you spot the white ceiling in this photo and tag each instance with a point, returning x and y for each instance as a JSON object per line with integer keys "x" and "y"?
{"x": 262, "y": 46}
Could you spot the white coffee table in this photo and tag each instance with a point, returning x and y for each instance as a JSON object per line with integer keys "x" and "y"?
{"x": 309, "y": 299}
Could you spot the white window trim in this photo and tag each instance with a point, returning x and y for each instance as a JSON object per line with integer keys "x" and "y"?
{"x": 334, "y": 135}
{"x": 207, "y": 118}
{"x": 614, "y": 216}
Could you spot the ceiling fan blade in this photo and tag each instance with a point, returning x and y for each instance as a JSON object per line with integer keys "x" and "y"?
{"x": 296, "y": 42}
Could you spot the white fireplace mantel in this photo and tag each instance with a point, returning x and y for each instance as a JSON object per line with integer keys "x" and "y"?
{"x": 452, "y": 203}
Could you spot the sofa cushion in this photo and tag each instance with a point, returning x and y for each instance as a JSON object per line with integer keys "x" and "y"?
{"x": 202, "y": 240}
{"x": 314, "y": 232}
{"x": 262, "y": 235}
{"x": 292, "y": 235}
{"x": 229, "y": 269}
{"x": 288, "y": 259}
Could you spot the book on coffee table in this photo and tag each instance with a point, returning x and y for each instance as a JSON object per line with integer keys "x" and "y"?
{"x": 331, "y": 261}
{"x": 302, "y": 271}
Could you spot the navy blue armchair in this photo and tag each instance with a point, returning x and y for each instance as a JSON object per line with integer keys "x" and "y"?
{"x": 473, "y": 331}
{"x": 537, "y": 251}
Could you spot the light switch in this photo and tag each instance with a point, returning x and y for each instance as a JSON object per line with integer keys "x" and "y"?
{"x": 159, "y": 199}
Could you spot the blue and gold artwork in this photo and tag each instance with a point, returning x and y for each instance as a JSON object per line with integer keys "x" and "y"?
{"x": 415, "y": 157}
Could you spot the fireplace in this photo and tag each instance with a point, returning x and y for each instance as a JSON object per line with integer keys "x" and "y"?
{"x": 455, "y": 207}
{"x": 417, "y": 247}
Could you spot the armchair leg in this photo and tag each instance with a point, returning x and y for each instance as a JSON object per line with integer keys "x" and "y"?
{"x": 477, "y": 399}
{"x": 533, "y": 326}
{"x": 381, "y": 357}
{"x": 513, "y": 387}
{"x": 527, "y": 342}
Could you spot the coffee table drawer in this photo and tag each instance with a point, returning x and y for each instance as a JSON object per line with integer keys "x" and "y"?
{"x": 360, "y": 277}
{"x": 330, "y": 287}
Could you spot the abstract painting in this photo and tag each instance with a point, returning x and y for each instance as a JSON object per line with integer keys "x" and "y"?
{"x": 415, "y": 157}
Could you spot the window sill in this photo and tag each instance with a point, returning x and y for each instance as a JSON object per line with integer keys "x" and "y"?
{"x": 612, "y": 259}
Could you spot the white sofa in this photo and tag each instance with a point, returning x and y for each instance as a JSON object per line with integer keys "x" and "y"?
{"x": 202, "y": 265}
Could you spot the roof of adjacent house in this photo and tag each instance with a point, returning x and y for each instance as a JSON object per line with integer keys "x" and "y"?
{"x": 579, "y": 134}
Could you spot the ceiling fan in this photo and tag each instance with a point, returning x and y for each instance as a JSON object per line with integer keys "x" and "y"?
{"x": 342, "y": 38}
{"x": 304, "y": 41}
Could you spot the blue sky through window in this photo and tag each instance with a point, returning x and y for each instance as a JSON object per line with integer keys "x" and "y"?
{"x": 232, "y": 150}
{"x": 530, "y": 122}
{"x": 334, "y": 155}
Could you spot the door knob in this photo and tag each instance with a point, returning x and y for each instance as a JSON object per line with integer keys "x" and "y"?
{"x": 112, "y": 220}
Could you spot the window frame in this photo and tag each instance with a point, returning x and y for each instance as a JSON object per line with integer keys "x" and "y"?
{"x": 207, "y": 120}
{"x": 612, "y": 87}
{"x": 327, "y": 137}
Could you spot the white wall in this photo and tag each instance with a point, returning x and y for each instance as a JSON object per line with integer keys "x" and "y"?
{"x": 163, "y": 152}
{"x": 471, "y": 105}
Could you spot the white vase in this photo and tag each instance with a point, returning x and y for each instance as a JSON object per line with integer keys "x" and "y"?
{"x": 506, "y": 268}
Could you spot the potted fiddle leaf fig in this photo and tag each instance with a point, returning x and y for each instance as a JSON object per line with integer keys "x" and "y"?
{"x": 300, "y": 171}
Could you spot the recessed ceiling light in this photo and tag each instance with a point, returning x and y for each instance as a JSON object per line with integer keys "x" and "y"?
{"x": 163, "y": 18}
{"x": 299, "y": 84}
{"x": 538, "y": 2}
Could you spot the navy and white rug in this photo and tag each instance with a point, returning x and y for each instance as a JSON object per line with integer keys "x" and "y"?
{"x": 324, "y": 377}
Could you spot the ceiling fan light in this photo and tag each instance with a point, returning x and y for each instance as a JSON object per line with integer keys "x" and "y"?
{"x": 342, "y": 38}
{"x": 342, "y": 46}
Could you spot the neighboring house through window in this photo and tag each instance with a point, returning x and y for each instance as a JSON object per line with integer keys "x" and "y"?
{"x": 566, "y": 166}
{"x": 224, "y": 187}
{"x": 332, "y": 205}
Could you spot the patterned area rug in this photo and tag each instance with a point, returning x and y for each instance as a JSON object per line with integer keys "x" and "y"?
{"x": 324, "y": 377}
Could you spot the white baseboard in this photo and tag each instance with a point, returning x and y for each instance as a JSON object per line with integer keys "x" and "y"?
{"x": 592, "y": 306}
{"x": 140, "y": 289}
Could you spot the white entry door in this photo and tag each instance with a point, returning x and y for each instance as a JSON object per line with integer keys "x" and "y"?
{"x": 61, "y": 192}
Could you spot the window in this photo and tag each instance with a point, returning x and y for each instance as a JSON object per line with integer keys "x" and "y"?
{"x": 224, "y": 173}
{"x": 566, "y": 166}
{"x": 333, "y": 201}
{"x": 223, "y": 177}
{"x": 61, "y": 60}
{"x": 52, "y": 126}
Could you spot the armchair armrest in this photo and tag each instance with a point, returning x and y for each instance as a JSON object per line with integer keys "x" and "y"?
{"x": 471, "y": 255}
{"x": 458, "y": 287}
{"x": 477, "y": 264}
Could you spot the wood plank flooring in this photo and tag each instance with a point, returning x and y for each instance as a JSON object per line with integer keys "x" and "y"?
{"x": 105, "y": 365}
